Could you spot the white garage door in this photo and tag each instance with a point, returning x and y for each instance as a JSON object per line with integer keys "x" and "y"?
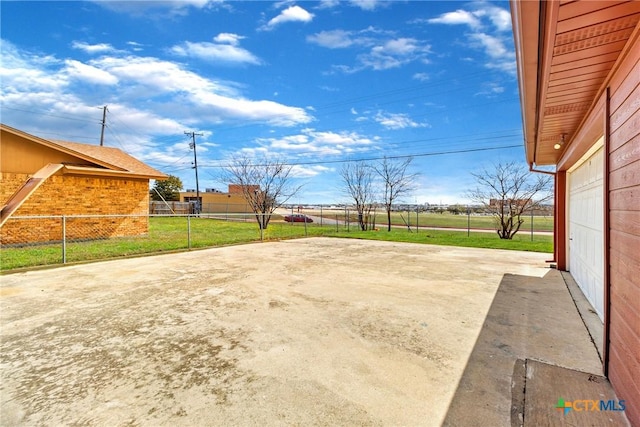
{"x": 586, "y": 225}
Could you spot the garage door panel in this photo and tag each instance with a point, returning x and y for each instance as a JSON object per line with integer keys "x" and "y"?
{"x": 586, "y": 229}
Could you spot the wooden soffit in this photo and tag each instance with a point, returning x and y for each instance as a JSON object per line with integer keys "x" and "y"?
{"x": 565, "y": 52}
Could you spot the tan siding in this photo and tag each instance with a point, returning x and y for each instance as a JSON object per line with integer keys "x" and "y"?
{"x": 20, "y": 156}
{"x": 628, "y": 152}
{"x": 622, "y": 309}
{"x": 624, "y": 216}
{"x": 626, "y": 177}
{"x": 628, "y": 290}
{"x": 625, "y": 96}
{"x": 622, "y": 370}
{"x": 625, "y": 199}
{"x": 628, "y": 221}
{"x": 619, "y": 373}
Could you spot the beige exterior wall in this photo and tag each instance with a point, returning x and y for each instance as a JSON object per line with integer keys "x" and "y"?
{"x": 76, "y": 195}
{"x": 18, "y": 155}
{"x": 219, "y": 202}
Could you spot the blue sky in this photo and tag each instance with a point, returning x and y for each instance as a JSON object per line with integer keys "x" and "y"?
{"x": 313, "y": 83}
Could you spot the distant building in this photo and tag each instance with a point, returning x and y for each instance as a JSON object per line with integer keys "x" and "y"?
{"x": 498, "y": 203}
{"x": 239, "y": 189}
{"x": 215, "y": 201}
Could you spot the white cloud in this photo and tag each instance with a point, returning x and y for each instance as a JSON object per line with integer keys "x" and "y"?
{"x": 385, "y": 50}
{"x": 228, "y": 38}
{"x": 423, "y": 77}
{"x": 169, "y": 7}
{"x": 494, "y": 47}
{"x": 228, "y": 53}
{"x": 214, "y": 100}
{"x": 457, "y": 17}
{"x": 308, "y": 171}
{"x": 146, "y": 122}
{"x": 362, "y": 4}
{"x": 93, "y": 48}
{"x": 333, "y": 39}
{"x": 487, "y": 23}
{"x": 154, "y": 97}
{"x": 19, "y": 75}
{"x": 327, "y": 4}
{"x": 366, "y": 4}
{"x": 317, "y": 143}
{"x": 135, "y": 46}
{"x": 500, "y": 18}
{"x": 89, "y": 73}
{"x": 394, "y": 53}
{"x": 290, "y": 14}
{"x": 490, "y": 89}
{"x": 397, "y": 121}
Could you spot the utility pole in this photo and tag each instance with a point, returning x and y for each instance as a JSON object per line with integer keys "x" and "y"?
{"x": 104, "y": 123}
{"x": 195, "y": 166}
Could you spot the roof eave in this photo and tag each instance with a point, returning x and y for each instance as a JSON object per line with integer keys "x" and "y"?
{"x": 526, "y": 39}
{"x": 81, "y": 170}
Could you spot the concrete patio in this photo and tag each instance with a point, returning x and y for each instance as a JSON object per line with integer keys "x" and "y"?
{"x": 304, "y": 332}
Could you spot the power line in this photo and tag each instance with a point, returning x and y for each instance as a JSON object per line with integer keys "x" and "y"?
{"x": 369, "y": 159}
{"x": 195, "y": 166}
{"x": 4, "y": 107}
{"x": 104, "y": 123}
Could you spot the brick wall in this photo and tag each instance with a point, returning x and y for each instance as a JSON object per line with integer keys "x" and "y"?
{"x": 76, "y": 195}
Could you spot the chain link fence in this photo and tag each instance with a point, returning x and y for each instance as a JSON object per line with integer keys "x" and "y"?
{"x": 415, "y": 218}
{"x": 28, "y": 241}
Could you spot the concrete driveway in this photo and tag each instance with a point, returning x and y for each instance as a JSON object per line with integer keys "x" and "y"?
{"x": 314, "y": 331}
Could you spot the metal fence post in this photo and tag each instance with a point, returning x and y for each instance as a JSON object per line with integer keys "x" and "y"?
{"x": 189, "y": 231}
{"x": 417, "y": 220}
{"x": 468, "y": 221}
{"x": 262, "y": 228}
{"x": 64, "y": 239}
{"x": 320, "y": 215}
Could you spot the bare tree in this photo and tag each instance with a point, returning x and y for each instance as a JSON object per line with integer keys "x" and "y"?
{"x": 265, "y": 184}
{"x": 508, "y": 190}
{"x": 358, "y": 180}
{"x": 396, "y": 180}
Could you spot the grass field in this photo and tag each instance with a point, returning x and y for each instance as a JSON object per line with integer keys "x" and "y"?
{"x": 444, "y": 220}
{"x": 170, "y": 234}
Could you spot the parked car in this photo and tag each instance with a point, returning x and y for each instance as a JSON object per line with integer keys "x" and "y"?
{"x": 297, "y": 218}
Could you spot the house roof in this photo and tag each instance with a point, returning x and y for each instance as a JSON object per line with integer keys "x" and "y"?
{"x": 566, "y": 53}
{"x": 99, "y": 160}
{"x": 118, "y": 159}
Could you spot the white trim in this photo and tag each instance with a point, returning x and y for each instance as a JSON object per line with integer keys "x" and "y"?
{"x": 590, "y": 152}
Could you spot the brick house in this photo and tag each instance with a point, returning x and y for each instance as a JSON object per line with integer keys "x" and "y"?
{"x": 578, "y": 68}
{"x": 41, "y": 177}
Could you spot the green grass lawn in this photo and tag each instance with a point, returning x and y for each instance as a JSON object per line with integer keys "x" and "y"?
{"x": 170, "y": 234}
{"x": 444, "y": 220}
{"x": 520, "y": 242}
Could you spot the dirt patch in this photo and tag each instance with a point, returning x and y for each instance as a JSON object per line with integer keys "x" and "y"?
{"x": 306, "y": 332}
